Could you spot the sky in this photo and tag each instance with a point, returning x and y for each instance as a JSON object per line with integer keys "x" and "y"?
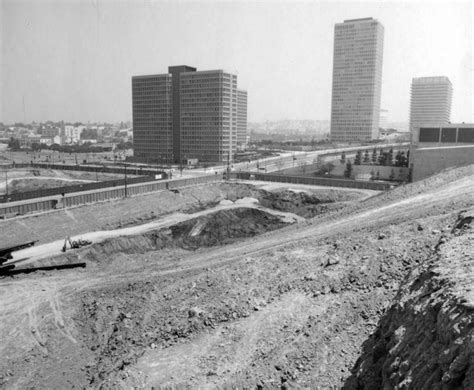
{"x": 73, "y": 60}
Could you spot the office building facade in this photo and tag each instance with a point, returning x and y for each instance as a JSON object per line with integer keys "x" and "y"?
{"x": 357, "y": 80}
{"x": 199, "y": 116}
{"x": 152, "y": 108}
{"x": 430, "y": 101}
{"x": 242, "y": 136}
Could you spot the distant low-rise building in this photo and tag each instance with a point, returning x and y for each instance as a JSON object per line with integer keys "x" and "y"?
{"x": 72, "y": 134}
{"x": 436, "y": 148}
{"x": 48, "y": 141}
{"x": 27, "y": 140}
{"x": 50, "y": 131}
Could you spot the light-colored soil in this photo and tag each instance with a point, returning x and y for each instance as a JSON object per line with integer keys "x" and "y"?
{"x": 290, "y": 308}
{"x": 24, "y": 179}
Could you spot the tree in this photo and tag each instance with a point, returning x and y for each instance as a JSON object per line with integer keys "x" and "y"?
{"x": 381, "y": 158}
{"x": 389, "y": 158}
{"x": 358, "y": 158}
{"x": 348, "y": 171}
{"x": 374, "y": 156}
{"x": 366, "y": 157}
{"x": 14, "y": 144}
{"x": 343, "y": 157}
{"x": 35, "y": 146}
{"x": 325, "y": 169}
{"x": 384, "y": 158}
{"x": 398, "y": 159}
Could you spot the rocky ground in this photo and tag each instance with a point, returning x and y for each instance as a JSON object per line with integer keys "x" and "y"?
{"x": 366, "y": 292}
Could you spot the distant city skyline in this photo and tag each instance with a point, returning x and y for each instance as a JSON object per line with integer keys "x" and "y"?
{"x": 73, "y": 61}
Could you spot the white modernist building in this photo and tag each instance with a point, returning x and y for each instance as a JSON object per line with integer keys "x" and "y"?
{"x": 356, "y": 80}
{"x": 73, "y": 133}
{"x": 430, "y": 103}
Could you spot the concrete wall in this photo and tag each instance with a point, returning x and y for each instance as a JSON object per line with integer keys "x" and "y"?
{"x": 12, "y": 209}
{"x": 315, "y": 181}
{"x": 428, "y": 161}
{"x": 363, "y": 172}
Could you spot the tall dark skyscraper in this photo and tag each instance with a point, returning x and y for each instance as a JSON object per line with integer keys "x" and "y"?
{"x": 187, "y": 114}
{"x": 356, "y": 80}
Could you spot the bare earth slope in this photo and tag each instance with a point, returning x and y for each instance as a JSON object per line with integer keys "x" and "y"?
{"x": 293, "y": 307}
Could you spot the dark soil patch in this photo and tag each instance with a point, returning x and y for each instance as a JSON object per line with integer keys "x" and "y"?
{"x": 300, "y": 203}
{"x": 224, "y": 227}
{"x": 219, "y": 228}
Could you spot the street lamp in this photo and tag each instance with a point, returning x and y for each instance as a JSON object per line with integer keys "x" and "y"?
{"x": 6, "y": 182}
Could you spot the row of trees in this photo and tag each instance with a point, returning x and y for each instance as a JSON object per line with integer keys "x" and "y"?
{"x": 380, "y": 158}
{"x": 14, "y": 144}
{"x": 376, "y": 175}
{"x": 84, "y": 148}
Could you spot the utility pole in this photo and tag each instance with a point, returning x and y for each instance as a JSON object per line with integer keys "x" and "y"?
{"x": 6, "y": 182}
{"x": 125, "y": 178}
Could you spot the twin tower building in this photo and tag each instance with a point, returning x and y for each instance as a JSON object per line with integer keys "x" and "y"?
{"x": 188, "y": 115}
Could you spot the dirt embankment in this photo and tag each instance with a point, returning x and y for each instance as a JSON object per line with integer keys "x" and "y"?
{"x": 273, "y": 320}
{"x": 137, "y": 210}
{"x": 289, "y": 309}
{"x": 219, "y": 228}
{"x": 426, "y": 338}
{"x": 306, "y": 204}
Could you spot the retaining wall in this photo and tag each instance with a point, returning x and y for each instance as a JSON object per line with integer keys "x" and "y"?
{"x": 12, "y": 209}
{"x": 429, "y": 161}
{"x": 317, "y": 181}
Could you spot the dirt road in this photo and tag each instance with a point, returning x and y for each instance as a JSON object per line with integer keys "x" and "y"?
{"x": 30, "y": 256}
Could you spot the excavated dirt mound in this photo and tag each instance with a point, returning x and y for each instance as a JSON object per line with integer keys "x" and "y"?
{"x": 302, "y": 203}
{"x": 224, "y": 227}
{"x": 219, "y": 228}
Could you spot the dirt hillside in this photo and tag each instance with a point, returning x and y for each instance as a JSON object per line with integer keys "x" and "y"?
{"x": 361, "y": 295}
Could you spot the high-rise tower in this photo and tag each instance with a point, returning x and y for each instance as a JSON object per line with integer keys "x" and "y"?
{"x": 186, "y": 114}
{"x": 357, "y": 80}
{"x": 430, "y": 103}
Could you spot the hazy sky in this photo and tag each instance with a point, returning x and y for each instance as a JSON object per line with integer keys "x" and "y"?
{"x": 73, "y": 60}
